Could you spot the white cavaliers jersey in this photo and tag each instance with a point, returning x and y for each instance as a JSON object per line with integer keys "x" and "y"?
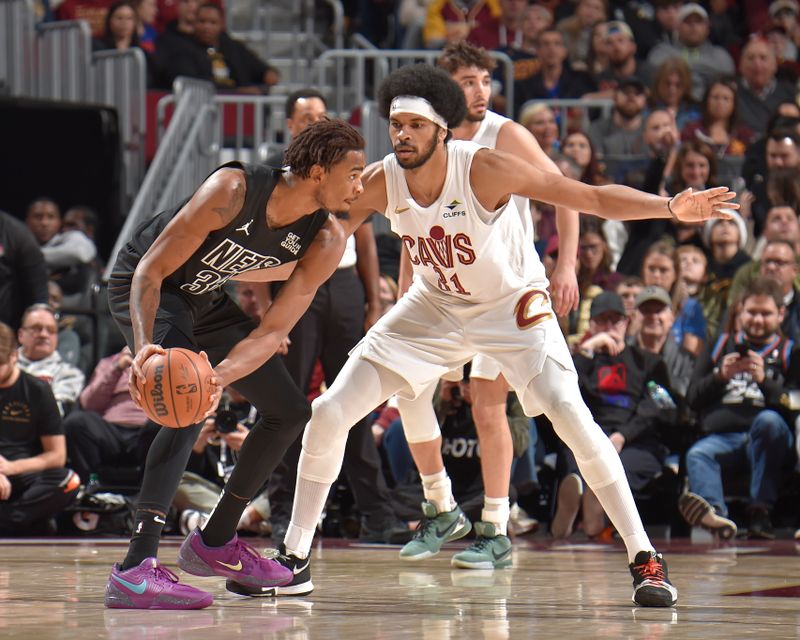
{"x": 456, "y": 246}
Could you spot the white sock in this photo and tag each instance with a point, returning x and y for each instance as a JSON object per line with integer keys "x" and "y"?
{"x": 621, "y": 510}
{"x": 438, "y": 489}
{"x": 496, "y": 511}
{"x": 309, "y": 501}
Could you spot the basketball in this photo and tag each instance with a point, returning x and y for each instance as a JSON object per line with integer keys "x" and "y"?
{"x": 176, "y": 391}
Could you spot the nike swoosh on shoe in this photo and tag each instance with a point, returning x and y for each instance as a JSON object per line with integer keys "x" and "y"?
{"x": 138, "y": 589}
{"x": 232, "y": 567}
{"x": 299, "y": 570}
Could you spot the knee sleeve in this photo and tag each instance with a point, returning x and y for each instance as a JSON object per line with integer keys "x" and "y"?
{"x": 418, "y": 417}
{"x": 324, "y": 441}
{"x": 597, "y": 459}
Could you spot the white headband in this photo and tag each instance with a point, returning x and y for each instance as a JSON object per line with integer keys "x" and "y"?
{"x": 418, "y": 106}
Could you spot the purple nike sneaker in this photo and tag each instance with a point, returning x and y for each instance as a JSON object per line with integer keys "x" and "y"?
{"x": 151, "y": 586}
{"x": 235, "y": 560}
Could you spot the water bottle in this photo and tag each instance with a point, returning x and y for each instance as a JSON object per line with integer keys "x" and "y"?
{"x": 660, "y": 396}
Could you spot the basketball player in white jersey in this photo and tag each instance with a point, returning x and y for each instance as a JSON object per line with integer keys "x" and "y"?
{"x": 444, "y": 200}
{"x": 471, "y": 68}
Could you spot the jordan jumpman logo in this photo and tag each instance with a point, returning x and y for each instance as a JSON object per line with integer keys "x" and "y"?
{"x": 245, "y": 228}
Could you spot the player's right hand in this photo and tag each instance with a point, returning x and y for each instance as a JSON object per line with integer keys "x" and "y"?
{"x": 137, "y": 366}
{"x": 5, "y": 488}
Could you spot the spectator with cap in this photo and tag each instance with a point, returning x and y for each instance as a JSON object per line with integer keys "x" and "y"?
{"x": 785, "y": 13}
{"x": 707, "y": 61}
{"x": 617, "y": 381}
{"x": 740, "y": 389}
{"x": 621, "y": 132}
{"x": 622, "y": 63}
{"x": 654, "y": 317}
{"x": 760, "y": 92}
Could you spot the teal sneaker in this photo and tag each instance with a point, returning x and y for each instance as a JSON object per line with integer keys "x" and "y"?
{"x": 490, "y": 550}
{"x": 434, "y": 530}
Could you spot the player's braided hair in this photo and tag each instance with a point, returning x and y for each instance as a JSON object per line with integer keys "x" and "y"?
{"x": 428, "y": 82}
{"x": 324, "y": 143}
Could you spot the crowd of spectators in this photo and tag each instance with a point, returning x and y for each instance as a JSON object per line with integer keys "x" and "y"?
{"x": 685, "y": 336}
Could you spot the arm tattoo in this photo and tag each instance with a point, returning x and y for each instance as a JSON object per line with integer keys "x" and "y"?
{"x": 227, "y": 214}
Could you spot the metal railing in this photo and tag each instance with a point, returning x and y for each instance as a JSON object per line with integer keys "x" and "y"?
{"x": 185, "y": 157}
{"x": 64, "y": 61}
{"x": 120, "y": 81}
{"x": 353, "y": 75}
{"x": 577, "y": 110}
{"x": 17, "y": 39}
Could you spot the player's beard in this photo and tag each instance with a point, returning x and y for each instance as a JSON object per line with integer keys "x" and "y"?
{"x": 423, "y": 156}
{"x": 475, "y": 117}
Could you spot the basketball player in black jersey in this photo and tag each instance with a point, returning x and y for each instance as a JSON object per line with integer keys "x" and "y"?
{"x": 250, "y": 223}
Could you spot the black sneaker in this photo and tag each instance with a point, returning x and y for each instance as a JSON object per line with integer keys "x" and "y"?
{"x": 301, "y": 585}
{"x": 651, "y": 585}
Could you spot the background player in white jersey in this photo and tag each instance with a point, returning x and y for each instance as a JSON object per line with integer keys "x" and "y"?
{"x": 471, "y": 69}
{"x": 443, "y": 200}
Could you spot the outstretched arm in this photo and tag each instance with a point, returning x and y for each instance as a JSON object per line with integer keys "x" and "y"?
{"x": 294, "y": 298}
{"x": 496, "y": 175}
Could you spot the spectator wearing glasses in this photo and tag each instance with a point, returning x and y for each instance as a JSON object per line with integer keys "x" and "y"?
{"x": 38, "y": 339}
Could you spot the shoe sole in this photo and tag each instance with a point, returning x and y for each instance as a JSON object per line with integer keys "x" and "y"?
{"x": 489, "y": 564}
{"x": 567, "y": 507}
{"x": 654, "y": 597}
{"x": 695, "y": 508}
{"x": 456, "y": 535}
{"x": 295, "y": 590}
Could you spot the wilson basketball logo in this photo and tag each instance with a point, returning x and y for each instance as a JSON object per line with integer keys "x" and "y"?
{"x": 532, "y": 308}
{"x": 157, "y": 392}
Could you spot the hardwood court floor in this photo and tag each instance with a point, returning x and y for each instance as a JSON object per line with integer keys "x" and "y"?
{"x": 53, "y": 588}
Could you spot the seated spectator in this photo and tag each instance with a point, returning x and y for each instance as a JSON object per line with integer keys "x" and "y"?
{"x": 654, "y": 334}
{"x": 692, "y": 264}
{"x": 725, "y": 241}
{"x": 786, "y": 14}
{"x": 660, "y": 269}
{"x": 68, "y": 254}
{"x": 578, "y": 146}
{"x": 410, "y": 18}
{"x": 536, "y": 19}
{"x": 627, "y": 289}
{"x": 782, "y": 225}
{"x": 785, "y": 51}
{"x": 38, "y": 339}
{"x": 147, "y": 13}
{"x": 121, "y": 28}
{"x": 556, "y": 78}
{"x": 620, "y": 134}
{"x": 706, "y": 61}
{"x": 620, "y": 48}
{"x": 540, "y": 120}
{"x": 672, "y": 90}
{"x": 34, "y": 484}
{"x": 598, "y": 61}
{"x": 781, "y": 185}
{"x": 718, "y": 125}
{"x": 695, "y": 166}
{"x": 759, "y": 90}
{"x": 175, "y": 37}
{"x": 107, "y": 428}
{"x": 737, "y": 389}
{"x": 212, "y": 55}
{"x": 23, "y": 273}
{"x": 577, "y": 30}
{"x": 754, "y": 170}
{"x": 616, "y": 382}
{"x": 476, "y": 21}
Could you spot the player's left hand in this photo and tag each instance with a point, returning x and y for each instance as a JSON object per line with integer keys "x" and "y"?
{"x": 699, "y": 206}
{"x": 5, "y": 487}
{"x": 215, "y": 388}
{"x": 564, "y": 290}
